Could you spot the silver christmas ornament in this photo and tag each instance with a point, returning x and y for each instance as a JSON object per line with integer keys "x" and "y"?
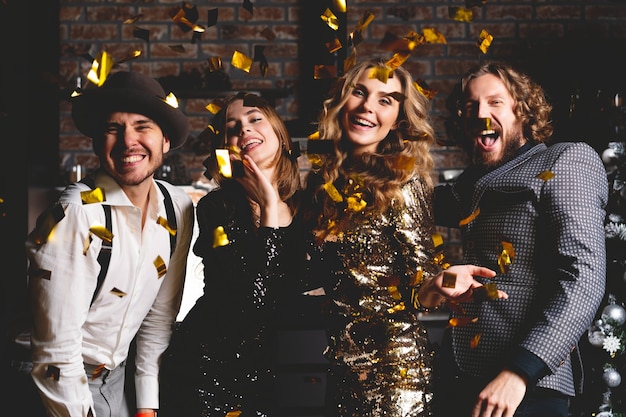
{"x": 595, "y": 334}
{"x": 614, "y": 312}
{"x": 611, "y": 377}
{"x": 609, "y": 157}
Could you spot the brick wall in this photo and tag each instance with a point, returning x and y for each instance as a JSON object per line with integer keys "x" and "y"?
{"x": 570, "y": 46}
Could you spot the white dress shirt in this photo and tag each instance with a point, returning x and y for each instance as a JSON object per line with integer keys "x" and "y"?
{"x": 140, "y": 296}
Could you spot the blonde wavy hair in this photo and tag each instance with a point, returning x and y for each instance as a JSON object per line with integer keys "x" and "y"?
{"x": 402, "y": 155}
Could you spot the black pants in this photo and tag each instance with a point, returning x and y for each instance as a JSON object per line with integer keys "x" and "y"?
{"x": 455, "y": 395}
{"x": 458, "y": 397}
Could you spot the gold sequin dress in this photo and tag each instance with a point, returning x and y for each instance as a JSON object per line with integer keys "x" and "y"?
{"x": 379, "y": 352}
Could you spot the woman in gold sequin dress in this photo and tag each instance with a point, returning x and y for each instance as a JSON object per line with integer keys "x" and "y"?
{"x": 368, "y": 205}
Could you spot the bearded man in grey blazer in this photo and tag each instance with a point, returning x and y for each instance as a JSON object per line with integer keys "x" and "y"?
{"x": 535, "y": 214}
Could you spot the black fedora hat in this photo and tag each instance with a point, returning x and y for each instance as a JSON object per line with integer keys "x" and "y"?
{"x": 130, "y": 92}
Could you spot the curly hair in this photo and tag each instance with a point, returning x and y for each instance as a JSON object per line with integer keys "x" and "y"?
{"x": 402, "y": 155}
{"x": 532, "y": 107}
{"x": 287, "y": 176}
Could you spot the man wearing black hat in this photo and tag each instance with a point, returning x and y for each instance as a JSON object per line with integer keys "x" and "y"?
{"x": 108, "y": 260}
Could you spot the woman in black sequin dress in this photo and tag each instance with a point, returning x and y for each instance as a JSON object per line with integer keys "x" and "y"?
{"x": 221, "y": 357}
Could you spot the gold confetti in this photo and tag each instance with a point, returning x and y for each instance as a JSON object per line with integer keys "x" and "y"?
{"x": 117, "y": 292}
{"x": 350, "y": 61}
{"x": 475, "y": 340}
{"x": 97, "y": 372}
{"x": 415, "y": 302}
{"x": 214, "y": 108}
{"x": 133, "y": 19}
{"x": 365, "y": 20}
{"x": 396, "y": 308}
{"x": 484, "y": 41}
{"x": 233, "y": 413}
{"x": 545, "y": 175}
{"x": 461, "y": 321}
{"x": 461, "y": 14}
{"x": 160, "y": 266}
{"x": 330, "y": 19}
{"x": 100, "y": 68}
{"x": 186, "y": 18}
{"x": 223, "y": 162}
{"x": 315, "y": 160}
{"x": 171, "y": 100}
{"x": 417, "y": 278}
{"x": 393, "y": 291}
{"x": 394, "y": 43}
{"x": 484, "y": 125}
{"x": 506, "y": 257}
{"x": 92, "y": 196}
{"x": 339, "y": 5}
{"x": 163, "y": 222}
{"x": 215, "y": 63}
{"x": 355, "y": 203}
{"x": 334, "y": 194}
{"x": 397, "y": 59}
{"x": 432, "y": 35}
{"x": 449, "y": 280}
{"x": 102, "y": 232}
{"x": 321, "y": 72}
{"x": 382, "y": 74}
{"x": 488, "y": 291}
{"x": 130, "y": 56}
{"x": 241, "y": 61}
{"x": 219, "y": 237}
{"x": 469, "y": 218}
{"x": 424, "y": 89}
{"x": 333, "y": 46}
{"x": 437, "y": 239}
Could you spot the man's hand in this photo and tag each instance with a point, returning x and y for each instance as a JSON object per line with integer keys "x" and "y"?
{"x": 501, "y": 397}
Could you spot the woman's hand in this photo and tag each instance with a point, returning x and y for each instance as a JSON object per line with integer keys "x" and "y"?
{"x": 273, "y": 212}
{"x": 258, "y": 187}
{"x": 456, "y": 283}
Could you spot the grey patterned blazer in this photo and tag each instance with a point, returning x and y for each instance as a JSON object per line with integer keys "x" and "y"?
{"x": 538, "y": 221}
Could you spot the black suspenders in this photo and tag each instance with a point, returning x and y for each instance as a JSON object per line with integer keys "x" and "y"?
{"x": 169, "y": 212}
{"x": 104, "y": 257}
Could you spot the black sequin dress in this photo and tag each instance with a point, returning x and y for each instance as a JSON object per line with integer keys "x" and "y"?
{"x": 379, "y": 352}
{"x": 221, "y": 357}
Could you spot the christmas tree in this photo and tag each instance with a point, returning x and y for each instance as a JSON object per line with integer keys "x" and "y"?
{"x": 605, "y": 354}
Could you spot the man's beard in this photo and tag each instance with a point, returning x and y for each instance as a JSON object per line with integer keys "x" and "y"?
{"x": 511, "y": 145}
